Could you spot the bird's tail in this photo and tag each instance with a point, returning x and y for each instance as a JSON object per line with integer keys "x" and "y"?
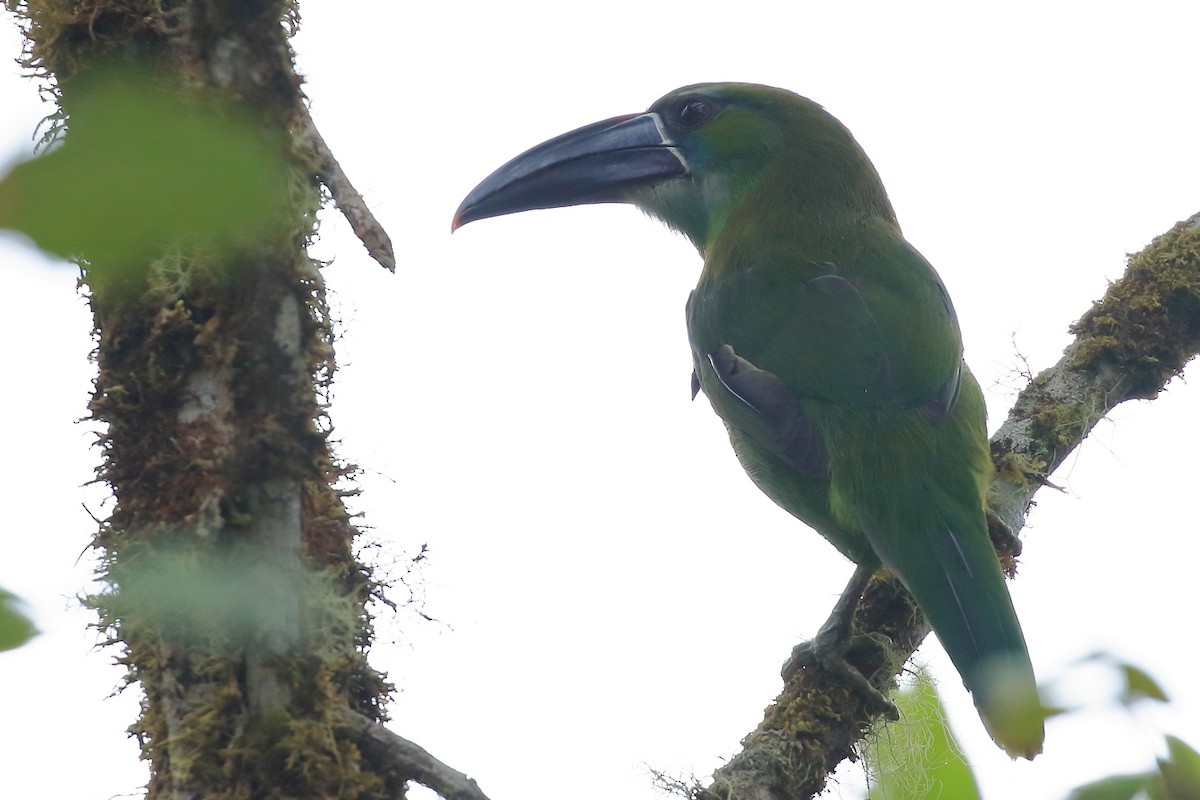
{"x": 916, "y": 489}
{"x": 944, "y": 556}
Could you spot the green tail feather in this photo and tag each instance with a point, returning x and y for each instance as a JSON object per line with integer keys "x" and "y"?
{"x": 916, "y": 489}
{"x": 956, "y": 580}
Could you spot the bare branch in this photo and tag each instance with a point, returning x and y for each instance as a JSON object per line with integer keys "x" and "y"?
{"x": 1128, "y": 346}
{"x": 407, "y": 759}
{"x": 347, "y": 199}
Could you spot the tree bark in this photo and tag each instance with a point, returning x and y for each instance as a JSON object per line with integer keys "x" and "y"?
{"x": 233, "y": 591}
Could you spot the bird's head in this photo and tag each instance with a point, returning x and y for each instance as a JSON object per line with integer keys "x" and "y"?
{"x": 697, "y": 156}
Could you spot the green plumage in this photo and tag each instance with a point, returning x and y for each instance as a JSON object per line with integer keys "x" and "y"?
{"x": 826, "y": 343}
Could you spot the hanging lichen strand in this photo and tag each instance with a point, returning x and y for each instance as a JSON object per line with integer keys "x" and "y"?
{"x": 232, "y": 590}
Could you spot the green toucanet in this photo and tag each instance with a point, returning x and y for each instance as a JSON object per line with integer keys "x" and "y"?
{"x": 826, "y": 343}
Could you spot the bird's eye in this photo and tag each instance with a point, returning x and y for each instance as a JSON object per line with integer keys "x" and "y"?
{"x": 692, "y": 112}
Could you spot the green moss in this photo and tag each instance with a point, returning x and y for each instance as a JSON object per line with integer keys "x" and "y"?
{"x": 182, "y": 602}
{"x": 1019, "y": 468}
{"x": 1147, "y": 325}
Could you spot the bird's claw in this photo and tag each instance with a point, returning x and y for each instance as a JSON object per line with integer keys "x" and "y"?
{"x": 835, "y": 639}
{"x": 830, "y": 656}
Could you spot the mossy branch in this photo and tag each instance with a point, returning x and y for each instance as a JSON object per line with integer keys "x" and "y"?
{"x": 1127, "y": 346}
{"x": 411, "y": 762}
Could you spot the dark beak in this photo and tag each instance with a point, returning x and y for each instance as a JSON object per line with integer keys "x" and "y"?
{"x": 594, "y": 164}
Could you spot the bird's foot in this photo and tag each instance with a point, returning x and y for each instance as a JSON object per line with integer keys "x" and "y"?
{"x": 833, "y": 660}
{"x": 835, "y": 640}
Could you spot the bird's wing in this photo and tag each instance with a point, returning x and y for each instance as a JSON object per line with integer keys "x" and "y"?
{"x": 763, "y": 408}
{"x": 873, "y": 326}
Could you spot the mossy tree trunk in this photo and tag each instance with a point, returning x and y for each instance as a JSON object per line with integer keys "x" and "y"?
{"x": 233, "y": 591}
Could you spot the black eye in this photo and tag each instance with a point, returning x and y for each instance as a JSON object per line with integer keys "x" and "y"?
{"x": 692, "y": 112}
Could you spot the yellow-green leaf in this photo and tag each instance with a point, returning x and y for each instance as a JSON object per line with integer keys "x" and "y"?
{"x": 144, "y": 164}
{"x": 1139, "y": 685}
{"x": 1180, "y": 771}
{"x": 1117, "y": 787}
{"x": 15, "y": 627}
{"x": 918, "y": 757}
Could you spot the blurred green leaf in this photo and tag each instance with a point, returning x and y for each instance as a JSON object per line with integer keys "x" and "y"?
{"x": 1180, "y": 771}
{"x": 1118, "y": 787}
{"x": 1178, "y": 775}
{"x": 1138, "y": 685}
{"x": 143, "y": 164}
{"x": 1136, "y": 682}
{"x": 15, "y": 627}
{"x": 918, "y": 757}
{"x": 229, "y": 593}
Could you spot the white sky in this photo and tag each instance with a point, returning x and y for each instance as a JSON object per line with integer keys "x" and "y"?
{"x": 613, "y": 592}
